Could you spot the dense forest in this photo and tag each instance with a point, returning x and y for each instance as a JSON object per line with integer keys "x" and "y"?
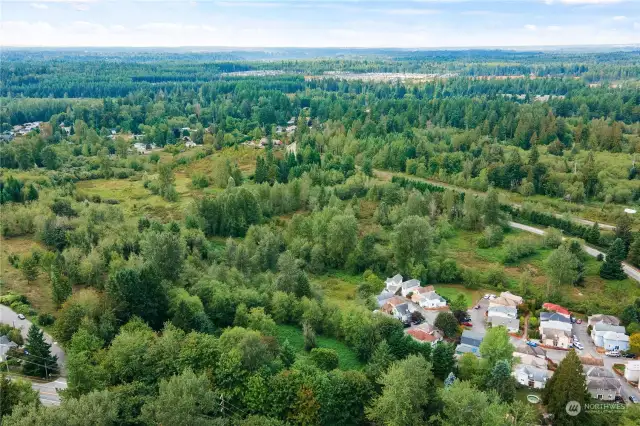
{"x": 207, "y": 247}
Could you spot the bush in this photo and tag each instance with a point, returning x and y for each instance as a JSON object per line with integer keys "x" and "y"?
{"x": 496, "y": 277}
{"x": 552, "y": 238}
{"x": 10, "y": 298}
{"x": 22, "y": 308}
{"x": 46, "y": 319}
{"x": 324, "y": 359}
{"x": 199, "y": 181}
{"x": 517, "y": 249}
{"x": 492, "y": 237}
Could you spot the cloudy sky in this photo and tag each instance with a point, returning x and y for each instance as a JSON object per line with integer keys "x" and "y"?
{"x": 319, "y": 23}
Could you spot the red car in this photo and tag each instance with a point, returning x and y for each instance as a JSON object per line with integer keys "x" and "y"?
{"x": 578, "y": 321}
{"x": 467, "y": 324}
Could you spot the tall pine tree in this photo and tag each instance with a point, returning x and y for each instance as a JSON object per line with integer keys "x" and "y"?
{"x": 38, "y": 360}
{"x": 568, "y": 383}
{"x": 611, "y": 269}
{"x": 634, "y": 251}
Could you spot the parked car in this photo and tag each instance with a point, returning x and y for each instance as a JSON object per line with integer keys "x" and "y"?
{"x": 467, "y": 324}
{"x": 578, "y": 345}
{"x": 614, "y": 354}
{"x": 629, "y": 355}
{"x": 633, "y": 399}
{"x": 477, "y": 307}
{"x": 532, "y": 344}
{"x": 575, "y": 338}
{"x": 486, "y": 296}
{"x": 578, "y": 321}
{"x": 20, "y": 316}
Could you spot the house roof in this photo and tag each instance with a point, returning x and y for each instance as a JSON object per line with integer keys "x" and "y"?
{"x": 471, "y": 338}
{"x": 464, "y": 348}
{"x": 555, "y": 332}
{"x": 633, "y": 365}
{"x": 530, "y": 350}
{"x": 606, "y": 319}
{"x": 608, "y": 327}
{"x": 507, "y": 322}
{"x": 509, "y": 295}
{"x": 534, "y": 373}
{"x": 433, "y": 296}
{"x": 553, "y": 316}
{"x": 612, "y": 335}
{"x": 604, "y": 383}
{"x": 5, "y": 341}
{"x": 591, "y": 360}
{"x": 410, "y": 284}
{"x": 593, "y": 371}
{"x": 402, "y": 309}
{"x": 503, "y": 301}
{"x": 421, "y": 335}
{"x": 383, "y": 297}
{"x": 509, "y": 310}
{"x": 555, "y": 308}
{"x": 396, "y": 300}
{"x": 396, "y": 279}
{"x": 424, "y": 290}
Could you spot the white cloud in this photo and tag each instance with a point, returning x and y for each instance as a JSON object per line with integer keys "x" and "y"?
{"x": 174, "y": 27}
{"x": 619, "y": 18}
{"x": 636, "y": 25}
{"x": 554, "y": 28}
{"x": 530, "y": 27}
{"x": 39, "y": 6}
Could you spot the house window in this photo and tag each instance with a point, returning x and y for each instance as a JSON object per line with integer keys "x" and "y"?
{"x": 599, "y": 396}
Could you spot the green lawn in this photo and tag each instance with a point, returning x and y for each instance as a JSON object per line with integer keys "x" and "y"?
{"x": 451, "y": 291}
{"x": 347, "y": 357}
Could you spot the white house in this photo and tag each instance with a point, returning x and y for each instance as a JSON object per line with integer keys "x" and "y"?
{"x": 632, "y": 371}
{"x": 555, "y": 338}
{"x": 432, "y": 300}
{"x": 613, "y": 341}
{"x": 409, "y": 286}
{"x": 393, "y": 284}
{"x": 502, "y": 311}
{"x": 402, "y": 312}
{"x": 5, "y": 346}
{"x": 599, "y": 329}
{"x": 530, "y": 376}
{"x": 511, "y": 324}
{"x": 555, "y": 321}
{"x": 604, "y": 388}
{"x": 599, "y": 318}
{"x": 190, "y": 144}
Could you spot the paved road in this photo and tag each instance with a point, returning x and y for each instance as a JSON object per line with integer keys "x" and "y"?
{"x": 631, "y": 272}
{"x": 586, "y": 222}
{"x": 48, "y": 390}
{"x": 8, "y": 316}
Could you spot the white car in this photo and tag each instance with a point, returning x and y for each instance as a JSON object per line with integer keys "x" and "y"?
{"x": 614, "y": 354}
{"x": 578, "y": 345}
{"x": 486, "y": 296}
{"x": 20, "y": 316}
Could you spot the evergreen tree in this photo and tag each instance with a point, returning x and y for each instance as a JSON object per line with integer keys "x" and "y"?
{"x": 501, "y": 380}
{"x": 309, "y": 335}
{"x": 287, "y": 354}
{"x": 380, "y": 361}
{"x": 611, "y": 269}
{"x": 568, "y": 383}
{"x": 29, "y": 267}
{"x": 60, "y": 286}
{"x": 593, "y": 235}
{"x": 634, "y": 251}
{"x": 623, "y": 231}
{"x": 38, "y": 360}
{"x": 443, "y": 360}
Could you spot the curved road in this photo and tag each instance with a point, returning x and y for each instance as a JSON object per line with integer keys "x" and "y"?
{"x": 628, "y": 269}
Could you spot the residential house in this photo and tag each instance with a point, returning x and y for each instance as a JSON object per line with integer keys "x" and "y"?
{"x": 531, "y": 376}
{"x": 291, "y": 121}
{"x": 394, "y": 283}
{"x": 383, "y": 297}
{"x": 409, "y": 286}
{"x": 556, "y": 338}
{"x": 7, "y": 136}
{"x": 469, "y": 342}
{"x": 5, "y": 346}
{"x": 613, "y": 341}
{"x": 556, "y": 308}
{"x": 425, "y": 333}
{"x": 402, "y": 312}
{"x": 605, "y": 319}
{"x": 531, "y": 360}
{"x": 555, "y": 321}
{"x": 419, "y": 292}
{"x": 502, "y": 311}
{"x": 511, "y": 324}
{"x": 599, "y": 329}
{"x": 279, "y": 129}
{"x": 595, "y": 372}
{"x": 291, "y": 129}
{"x": 632, "y": 371}
{"x": 604, "y": 388}
{"x": 503, "y": 301}
{"x": 190, "y": 144}
{"x": 432, "y": 300}
{"x": 535, "y": 351}
{"x": 510, "y": 296}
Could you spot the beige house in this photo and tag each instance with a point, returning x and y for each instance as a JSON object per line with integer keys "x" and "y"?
{"x": 556, "y": 338}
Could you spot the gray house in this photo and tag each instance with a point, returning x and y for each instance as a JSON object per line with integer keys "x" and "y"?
{"x": 469, "y": 342}
{"x": 604, "y": 388}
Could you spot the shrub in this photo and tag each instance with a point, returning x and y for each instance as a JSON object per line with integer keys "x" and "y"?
{"x": 324, "y": 359}
{"x": 552, "y": 238}
{"x": 493, "y": 236}
{"x": 517, "y": 249}
{"x": 46, "y": 319}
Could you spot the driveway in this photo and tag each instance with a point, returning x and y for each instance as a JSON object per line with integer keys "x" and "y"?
{"x": 478, "y": 319}
{"x": 8, "y": 316}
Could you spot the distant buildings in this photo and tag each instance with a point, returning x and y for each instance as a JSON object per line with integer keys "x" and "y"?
{"x": 609, "y": 337}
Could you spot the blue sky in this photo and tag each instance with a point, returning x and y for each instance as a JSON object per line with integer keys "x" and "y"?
{"x": 319, "y": 23}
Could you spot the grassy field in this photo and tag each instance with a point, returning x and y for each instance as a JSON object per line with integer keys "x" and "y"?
{"x": 38, "y": 292}
{"x": 451, "y": 292}
{"x": 337, "y": 286}
{"x": 347, "y": 358}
